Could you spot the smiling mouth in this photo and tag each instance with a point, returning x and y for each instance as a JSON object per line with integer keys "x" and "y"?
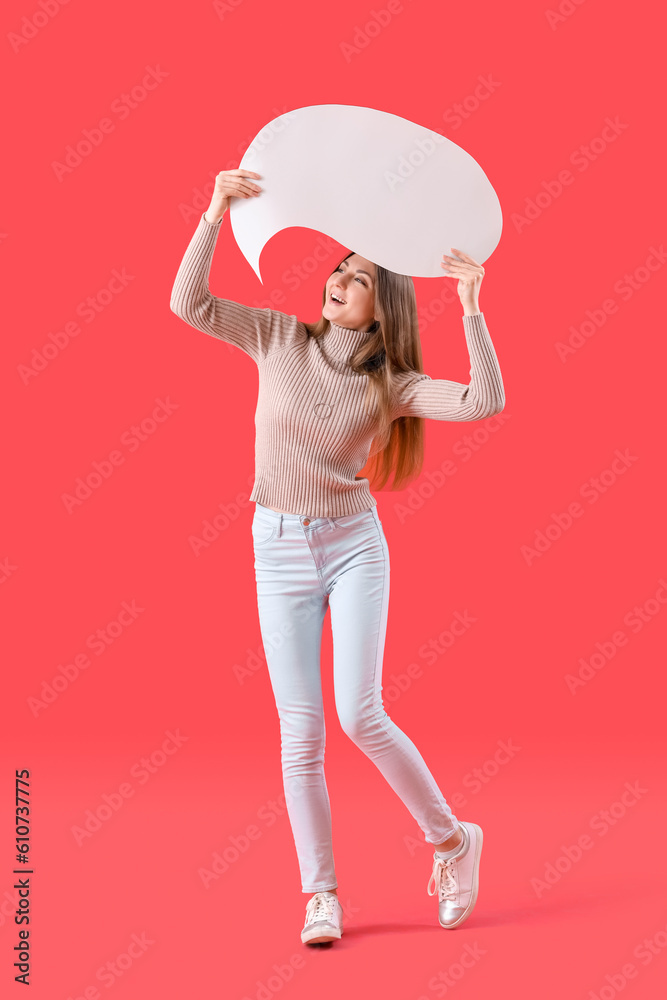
{"x": 338, "y": 302}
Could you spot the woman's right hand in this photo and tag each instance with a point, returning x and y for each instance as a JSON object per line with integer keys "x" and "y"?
{"x": 230, "y": 184}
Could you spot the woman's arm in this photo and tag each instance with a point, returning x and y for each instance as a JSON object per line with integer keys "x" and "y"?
{"x": 441, "y": 399}
{"x": 251, "y": 329}
{"x": 255, "y": 331}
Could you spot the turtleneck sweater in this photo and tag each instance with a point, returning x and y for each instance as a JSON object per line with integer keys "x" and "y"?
{"x": 312, "y": 433}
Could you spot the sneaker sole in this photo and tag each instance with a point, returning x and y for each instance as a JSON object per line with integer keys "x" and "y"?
{"x": 320, "y": 935}
{"x": 475, "y": 882}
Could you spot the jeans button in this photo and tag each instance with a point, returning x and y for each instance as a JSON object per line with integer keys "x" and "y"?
{"x": 306, "y": 520}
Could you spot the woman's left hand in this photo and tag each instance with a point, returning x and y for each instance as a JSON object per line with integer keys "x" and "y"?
{"x": 470, "y": 275}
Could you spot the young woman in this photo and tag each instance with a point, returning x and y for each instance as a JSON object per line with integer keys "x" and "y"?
{"x": 333, "y": 395}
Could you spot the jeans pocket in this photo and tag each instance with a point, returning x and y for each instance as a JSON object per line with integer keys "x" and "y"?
{"x": 354, "y": 520}
{"x": 262, "y": 531}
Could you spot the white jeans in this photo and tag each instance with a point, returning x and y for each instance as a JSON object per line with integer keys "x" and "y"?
{"x": 302, "y": 566}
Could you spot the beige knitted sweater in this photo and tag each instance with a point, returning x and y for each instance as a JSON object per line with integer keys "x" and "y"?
{"x": 312, "y": 434}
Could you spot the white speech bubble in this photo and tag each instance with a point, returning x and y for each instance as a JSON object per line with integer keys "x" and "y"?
{"x": 393, "y": 191}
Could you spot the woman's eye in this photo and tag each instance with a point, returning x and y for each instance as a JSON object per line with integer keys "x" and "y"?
{"x": 356, "y": 279}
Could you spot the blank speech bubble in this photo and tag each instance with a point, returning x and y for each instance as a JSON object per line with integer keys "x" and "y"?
{"x": 393, "y": 191}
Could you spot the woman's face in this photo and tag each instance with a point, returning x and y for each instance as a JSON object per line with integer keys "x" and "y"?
{"x": 354, "y": 282}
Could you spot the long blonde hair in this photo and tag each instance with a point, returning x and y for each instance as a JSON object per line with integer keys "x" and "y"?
{"x": 393, "y": 345}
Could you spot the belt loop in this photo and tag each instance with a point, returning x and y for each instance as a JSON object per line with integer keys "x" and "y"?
{"x": 280, "y": 526}
{"x": 332, "y": 523}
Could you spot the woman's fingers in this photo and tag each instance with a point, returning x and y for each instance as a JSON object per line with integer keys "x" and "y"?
{"x": 241, "y": 172}
{"x": 465, "y": 257}
{"x": 463, "y": 263}
{"x": 243, "y": 188}
{"x": 237, "y": 183}
{"x": 462, "y": 258}
{"x": 249, "y": 189}
{"x": 453, "y": 265}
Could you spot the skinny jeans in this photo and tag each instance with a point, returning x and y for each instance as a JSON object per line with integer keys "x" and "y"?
{"x": 303, "y": 566}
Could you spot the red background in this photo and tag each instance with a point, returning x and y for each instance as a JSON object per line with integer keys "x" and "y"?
{"x": 133, "y": 204}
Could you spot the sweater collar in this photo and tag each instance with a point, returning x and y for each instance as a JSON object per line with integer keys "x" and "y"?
{"x": 341, "y": 342}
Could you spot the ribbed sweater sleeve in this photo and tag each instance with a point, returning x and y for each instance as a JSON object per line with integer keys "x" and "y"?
{"x": 441, "y": 399}
{"x": 255, "y": 331}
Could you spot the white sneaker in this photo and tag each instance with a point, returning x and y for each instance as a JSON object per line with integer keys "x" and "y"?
{"x": 324, "y": 918}
{"x": 457, "y": 879}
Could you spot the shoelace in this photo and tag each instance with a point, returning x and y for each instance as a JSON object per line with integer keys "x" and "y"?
{"x": 320, "y": 907}
{"x": 444, "y": 876}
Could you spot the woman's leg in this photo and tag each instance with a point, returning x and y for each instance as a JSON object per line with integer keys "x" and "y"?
{"x": 358, "y": 568}
{"x": 292, "y": 605}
